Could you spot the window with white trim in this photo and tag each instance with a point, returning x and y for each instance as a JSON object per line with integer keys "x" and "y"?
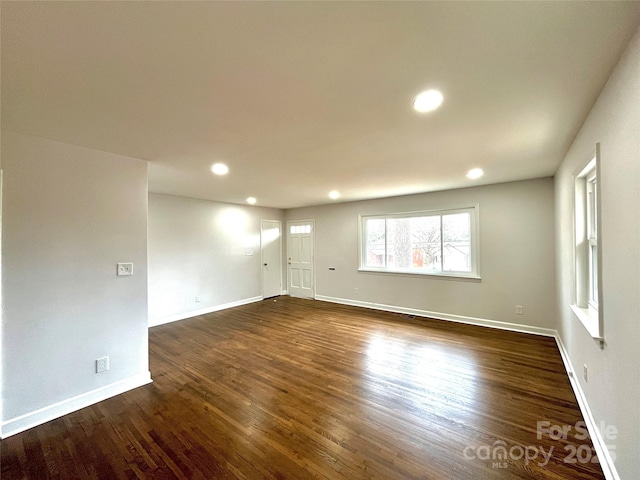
{"x": 441, "y": 242}
{"x": 587, "y": 255}
{"x": 592, "y": 237}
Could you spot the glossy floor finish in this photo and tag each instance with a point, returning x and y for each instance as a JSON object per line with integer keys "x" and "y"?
{"x": 303, "y": 389}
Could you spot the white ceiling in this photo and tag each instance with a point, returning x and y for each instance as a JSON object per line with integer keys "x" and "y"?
{"x": 300, "y": 98}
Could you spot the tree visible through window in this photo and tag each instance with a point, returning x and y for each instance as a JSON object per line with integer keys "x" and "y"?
{"x": 426, "y": 242}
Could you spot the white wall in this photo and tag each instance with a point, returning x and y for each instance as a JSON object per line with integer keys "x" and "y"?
{"x": 198, "y": 247}
{"x": 516, "y": 255}
{"x": 613, "y": 389}
{"x": 69, "y": 215}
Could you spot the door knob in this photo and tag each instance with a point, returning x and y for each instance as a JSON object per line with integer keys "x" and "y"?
{"x": 265, "y": 264}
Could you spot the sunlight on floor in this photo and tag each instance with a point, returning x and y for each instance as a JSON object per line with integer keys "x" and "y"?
{"x": 435, "y": 370}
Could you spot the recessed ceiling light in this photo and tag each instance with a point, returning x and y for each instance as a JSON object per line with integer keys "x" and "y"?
{"x": 334, "y": 194}
{"x": 475, "y": 173}
{"x": 427, "y": 101}
{"x": 251, "y": 200}
{"x": 220, "y": 169}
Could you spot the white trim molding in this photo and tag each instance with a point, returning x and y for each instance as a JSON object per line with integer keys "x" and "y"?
{"x": 606, "y": 462}
{"x": 482, "y": 322}
{"x": 154, "y": 322}
{"x": 59, "y": 409}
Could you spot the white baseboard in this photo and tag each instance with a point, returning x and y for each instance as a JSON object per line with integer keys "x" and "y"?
{"x": 51, "y": 412}
{"x": 154, "y": 322}
{"x": 64, "y": 407}
{"x": 606, "y": 462}
{"x": 483, "y": 322}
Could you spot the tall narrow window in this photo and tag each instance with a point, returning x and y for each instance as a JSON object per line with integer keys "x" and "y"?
{"x": 588, "y": 289}
{"x": 592, "y": 237}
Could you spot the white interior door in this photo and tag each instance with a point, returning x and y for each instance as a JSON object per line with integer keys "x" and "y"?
{"x": 271, "y": 254}
{"x": 300, "y": 273}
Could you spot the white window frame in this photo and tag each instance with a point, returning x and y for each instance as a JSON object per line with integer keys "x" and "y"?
{"x": 587, "y": 305}
{"x": 592, "y": 238}
{"x": 473, "y": 210}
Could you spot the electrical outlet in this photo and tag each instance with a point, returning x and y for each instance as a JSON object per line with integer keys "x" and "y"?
{"x": 585, "y": 372}
{"x": 125, "y": 269}
{"x": 519, "y": 310}
{"x": 355, "y": 290}
{"x": 197, "y": 298}
{"x": 102, "y": 364}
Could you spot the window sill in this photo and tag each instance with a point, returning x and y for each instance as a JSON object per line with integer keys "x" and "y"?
{"x": 452, "y": 276}
{"x": 590, "y": 320}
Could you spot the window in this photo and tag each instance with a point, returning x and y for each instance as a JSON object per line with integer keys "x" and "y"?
{"x": 587, "y": 255}
{"x": 440, "y": 242}
{"x": 592, "y": 237}
{"x": 299, "y": 229}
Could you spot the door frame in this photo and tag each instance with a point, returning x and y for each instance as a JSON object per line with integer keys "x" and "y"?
{"x": 313, "y": 255}
{"x": 262, "y": 255}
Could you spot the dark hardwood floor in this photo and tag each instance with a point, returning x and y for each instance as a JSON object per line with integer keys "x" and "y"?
{"x": 303, "y": 389}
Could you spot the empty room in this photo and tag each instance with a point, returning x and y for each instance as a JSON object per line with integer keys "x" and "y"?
{"x": 332, "y": 240}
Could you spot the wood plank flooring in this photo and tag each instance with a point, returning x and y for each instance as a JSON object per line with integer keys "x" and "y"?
{"x": 297, "y": 389}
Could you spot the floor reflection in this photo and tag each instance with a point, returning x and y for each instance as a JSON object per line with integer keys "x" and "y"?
{"x": 420, "y": 374}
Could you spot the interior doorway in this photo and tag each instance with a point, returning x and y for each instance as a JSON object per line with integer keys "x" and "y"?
{"x": 271, "y": 257}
